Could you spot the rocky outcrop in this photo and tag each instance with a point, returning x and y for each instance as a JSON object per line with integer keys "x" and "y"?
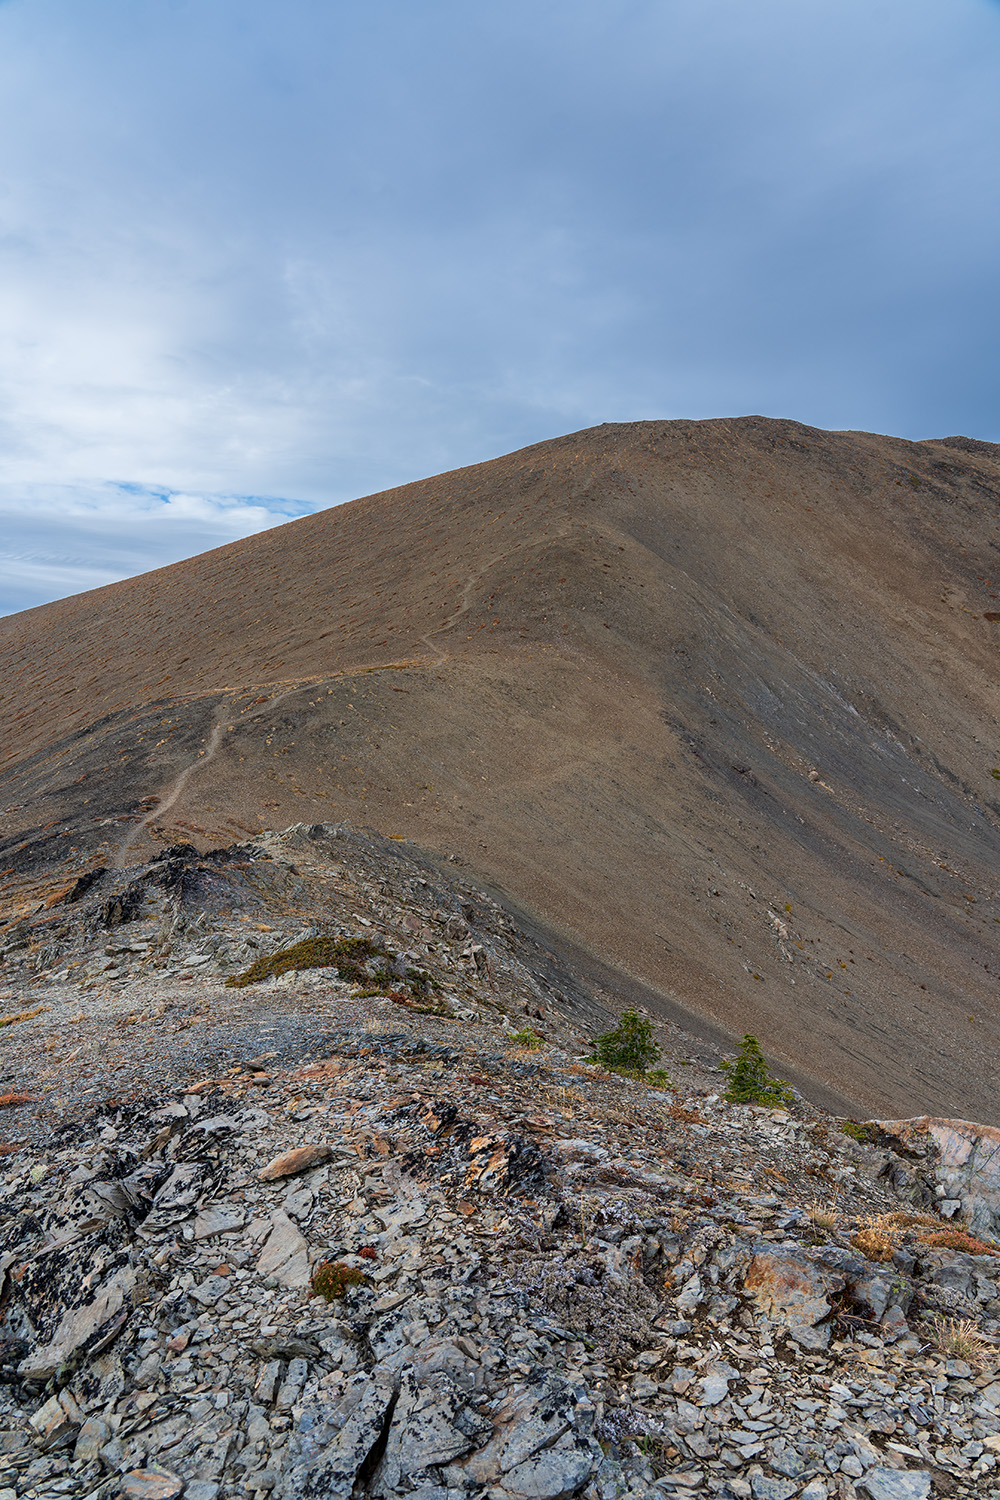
{"x": 603, "y": 1314}
{"x": 352, "y": 1247}
{"x": 963, "y": 1159}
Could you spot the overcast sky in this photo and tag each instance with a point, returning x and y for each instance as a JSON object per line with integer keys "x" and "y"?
{"x": 259, "y": 258}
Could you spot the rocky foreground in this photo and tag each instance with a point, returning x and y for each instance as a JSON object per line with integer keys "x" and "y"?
{"x": 539, "y": 1279}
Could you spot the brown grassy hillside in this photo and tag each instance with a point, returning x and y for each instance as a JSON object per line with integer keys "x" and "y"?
{"x": 715, "y": 699}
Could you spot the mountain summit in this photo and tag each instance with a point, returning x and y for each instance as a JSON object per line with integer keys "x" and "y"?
{"x": 713, "y": 703}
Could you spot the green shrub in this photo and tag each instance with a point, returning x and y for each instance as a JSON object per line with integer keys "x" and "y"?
{"x": 751, "y": 1080}
{"x": 658, "y": 1079}
{"x": 856, "y": 1131}
{"x": 527, "y": 1038}
{"x": 629, "y": 1048}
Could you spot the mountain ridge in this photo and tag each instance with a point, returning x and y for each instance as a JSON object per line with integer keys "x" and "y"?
{"x": 713, "y": 700}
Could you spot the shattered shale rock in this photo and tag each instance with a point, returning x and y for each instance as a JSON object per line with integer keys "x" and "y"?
{"x": 544, "y": 1281}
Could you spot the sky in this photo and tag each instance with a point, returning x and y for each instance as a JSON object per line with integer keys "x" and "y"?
{"x": 257, "y": 259}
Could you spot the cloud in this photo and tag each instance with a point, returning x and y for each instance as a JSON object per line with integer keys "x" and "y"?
{"x": 314, "y": 250}
{"x": 63, "y": 539}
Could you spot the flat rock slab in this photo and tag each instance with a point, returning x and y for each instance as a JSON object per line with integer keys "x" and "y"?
{"x": 298, "y": 1160}
{"x": 212, "y": 1221}
{"x": 793, "y": 1289}
{"x": 897, "y": 1484}
{"x": 80, "y": 1326}
{"x": 285, "y": 1255}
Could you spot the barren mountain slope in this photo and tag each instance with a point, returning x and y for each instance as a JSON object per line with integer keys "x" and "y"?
{"x": 714, "y": 700}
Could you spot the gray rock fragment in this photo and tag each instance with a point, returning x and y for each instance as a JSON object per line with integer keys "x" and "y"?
{"x": 285, "y": 1255}
{"x": 763, "y": 1487}
{"x": 897, "y": 1484}
{"x": 332, "y": 1442}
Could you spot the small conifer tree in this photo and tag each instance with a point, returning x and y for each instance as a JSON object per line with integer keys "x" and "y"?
{"x": 751, "y": 1080}
{"x": 629, "y": 1048}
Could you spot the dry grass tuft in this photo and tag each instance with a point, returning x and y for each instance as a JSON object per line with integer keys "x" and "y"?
{"x": 23, "y": 1015}
{"x": 824, "y": 1216}
{"x": 685, "y": 1116}
{"x": 877, "y": 1237}
{"x": 902, "y": 1218}
{"x": 959, "y": 1338}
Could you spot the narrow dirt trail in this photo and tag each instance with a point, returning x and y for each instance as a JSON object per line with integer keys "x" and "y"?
{"x": 167, "y": 801}
{"x": 202, "y": 759}
{"x": 470, "y": 583}
{"x": 449, "y": 623}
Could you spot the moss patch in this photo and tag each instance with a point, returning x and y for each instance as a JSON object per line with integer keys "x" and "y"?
{"x": 349, "y": 956}
{"x": 332, "y": 1278}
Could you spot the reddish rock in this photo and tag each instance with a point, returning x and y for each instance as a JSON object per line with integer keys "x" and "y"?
{"x": 298, "y": 1160}
{"x": 793, "y": 1290}
{"x": 151, "y": 1484}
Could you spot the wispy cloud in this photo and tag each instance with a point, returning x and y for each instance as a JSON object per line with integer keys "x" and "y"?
{"x": 63, "y": 539}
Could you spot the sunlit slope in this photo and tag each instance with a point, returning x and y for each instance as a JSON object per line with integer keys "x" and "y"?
{"x": 717, "y": 699}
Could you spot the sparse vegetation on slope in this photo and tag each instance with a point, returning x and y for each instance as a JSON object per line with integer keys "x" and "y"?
{"x": 536, "y": 747}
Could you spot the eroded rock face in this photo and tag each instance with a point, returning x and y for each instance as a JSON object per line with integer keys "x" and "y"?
{"x": 965, "y": 1160}
{"x": 82, "y": 1328}
{"x": 795, "y": 1291}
